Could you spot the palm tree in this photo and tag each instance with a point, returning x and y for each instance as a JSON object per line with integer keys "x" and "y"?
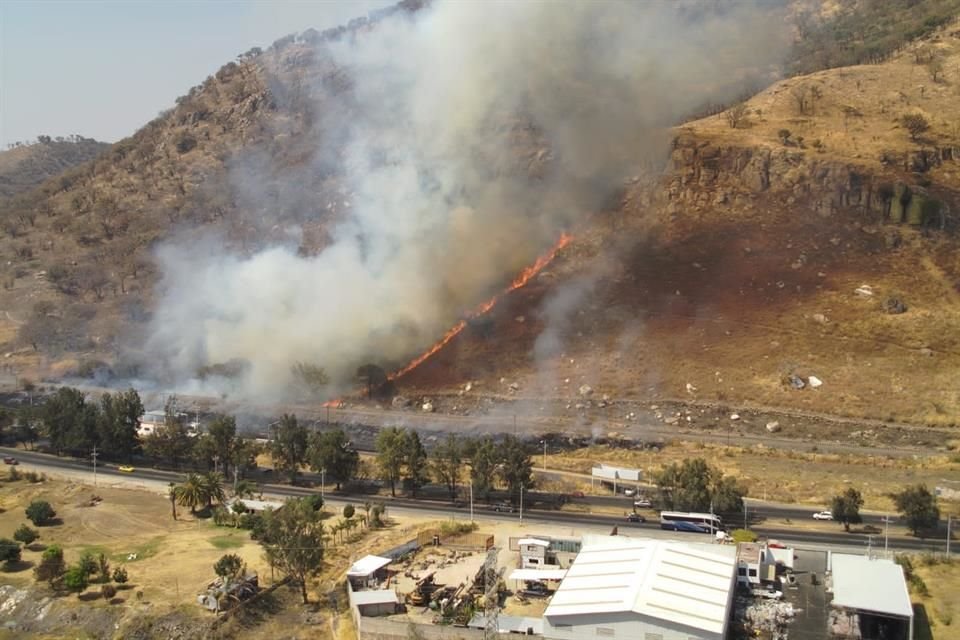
{"x": 191, "y": 493}
{"x": 212, "y": 484}
{"x": 245, "y": 489}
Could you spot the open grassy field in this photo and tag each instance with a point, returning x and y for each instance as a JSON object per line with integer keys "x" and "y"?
{"x": 942, "y": 603}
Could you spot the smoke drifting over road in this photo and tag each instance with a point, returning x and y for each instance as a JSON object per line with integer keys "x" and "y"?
{"x": 476, "y": 133}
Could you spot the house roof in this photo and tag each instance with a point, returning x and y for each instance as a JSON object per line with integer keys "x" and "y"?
{"x": 375, "y": 596}
{"x": 870, "y": 584}
{"x": 367, "y": 565}
{"x": 684, "y": 583}
{"x": 534, "y": 541}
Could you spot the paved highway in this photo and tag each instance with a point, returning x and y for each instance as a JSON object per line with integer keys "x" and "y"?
{"x": 531, "y": 515}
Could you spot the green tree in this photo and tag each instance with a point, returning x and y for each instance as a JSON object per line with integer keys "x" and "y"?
{"x": 171, "y": 441}
{"x": 846, "y": 508}
{"x": 212, "y": 486}
{"x": 108, "y": 591}
{"x": 293, "y": 541}
{"x": 447, "y": 460}
{"x": 9, "y": 551}
{"x": 191, "y": 492}
{"x": 693, "y": 485}
{"x": 391, "y": 452}
{"x": 76, "y": 579}
{"x": 62, "y": 412}
{"x": 245, "y": 489}
{"x": 484, "y": 460}
{"x": 918, "y": 507}
{"x": 51, "y": 565}
{"x": 916, "y": 125}
{"x": 26, "y": 535}
{"x": 332, "y": 451}
{"x": 289, "y": 446}
{"x": 349, "y": 511}
{"x": 244, "y": 456}
{"x": 310, "y": 377}
{"x": 39, "y": 512}
{"x": 117, "y": 423}
{"x": 416, "y": 471}
{"x": 728, "y": 494}
{"x": 88, "y": 564}
{"x": 228, "y": 566}
{"x": 103, "y": 568}
{"x": 516, "y": 468}
{"x": 222, "y": 433}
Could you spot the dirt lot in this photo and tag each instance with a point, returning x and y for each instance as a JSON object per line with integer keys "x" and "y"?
{"x": 942, "y": 605}
{"x": 785, "y": 476}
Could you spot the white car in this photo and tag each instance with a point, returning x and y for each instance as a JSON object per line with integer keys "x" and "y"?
{"x": 643, "y": 503}
{"x": 823, "y": 515}
{"x": 629, "y": 492}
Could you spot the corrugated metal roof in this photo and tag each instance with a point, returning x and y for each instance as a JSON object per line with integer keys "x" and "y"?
{"x": 508, "y": 624}
{"x": 367, "y": 565}
{"x": 684, "y": 583}
{"x": 534, "y": 541}
{"x": 875, "y": 584}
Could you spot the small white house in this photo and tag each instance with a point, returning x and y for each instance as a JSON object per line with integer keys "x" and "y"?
{"x": 533, "y": 553}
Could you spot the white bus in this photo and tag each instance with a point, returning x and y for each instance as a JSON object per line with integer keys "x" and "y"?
{"x": 693, "y": 522}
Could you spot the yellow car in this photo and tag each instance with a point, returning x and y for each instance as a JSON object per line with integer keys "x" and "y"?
{"x": 125, "y": 468}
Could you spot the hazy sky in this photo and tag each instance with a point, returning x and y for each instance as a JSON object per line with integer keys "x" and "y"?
{"x": 104, "y": 69}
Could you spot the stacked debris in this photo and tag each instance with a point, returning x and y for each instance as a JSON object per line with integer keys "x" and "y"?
{"x": 767, "y": 618}
{"x": 225, "y": 593}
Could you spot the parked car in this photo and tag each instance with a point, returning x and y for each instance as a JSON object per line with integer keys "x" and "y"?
{"x": 629, "y": 492}
{"x": 10, "y": 460}
{"x": 643, "y": 502}
{"x": 635, "y": 517}
{"x": 125, "y": 468}
{"x": 504, "y": 507}
{"x": 823, "y": 515}
{"x": 536, "y": 589}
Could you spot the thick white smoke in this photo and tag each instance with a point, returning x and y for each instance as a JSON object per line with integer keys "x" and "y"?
{"x": 477, "y": 131}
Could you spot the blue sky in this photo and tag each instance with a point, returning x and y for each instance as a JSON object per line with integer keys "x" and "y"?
{"x": 104, "y": 69}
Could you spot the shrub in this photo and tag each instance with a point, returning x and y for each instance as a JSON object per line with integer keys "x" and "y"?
{"x": 348, "y": 511}
{"x": 26, "y": 535}
{"x": 743, "y": 535}
{"x": 315, "y": 501}
{"x": 9, "y": 551}
{"x": 120, "y": 575}
{"x": 88, "y": 564}
{"x": 108, "y": 591}
{"x": 51, "y": 565}
{"x": 457, "y": 528}
{"x": 76, "y": 578}
{"x": 33, "y": 476}
{"x": 40, "y": 512}
{"x": 228, "y": 565}
{"x": 14, "y": 475}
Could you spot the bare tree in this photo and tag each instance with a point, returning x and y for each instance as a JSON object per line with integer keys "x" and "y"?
{"x": 915, "y": 124}
{"x": 935, "y": 68}
{"x": 737, "y": 115}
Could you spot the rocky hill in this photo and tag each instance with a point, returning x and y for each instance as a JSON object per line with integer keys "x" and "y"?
{"x": 810, "y": 231}
{"x": 25, "y": 166}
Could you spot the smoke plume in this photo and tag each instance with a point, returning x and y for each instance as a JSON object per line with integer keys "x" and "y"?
{"x": 475, "y": 132}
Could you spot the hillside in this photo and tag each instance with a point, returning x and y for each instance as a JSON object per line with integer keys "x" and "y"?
{"x": 25, "y": 166}
{"x": 750, "y": 273}
{"x": 731, "y": 272}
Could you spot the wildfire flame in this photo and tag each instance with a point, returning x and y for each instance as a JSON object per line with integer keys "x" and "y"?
{"x": 523, "y": 278}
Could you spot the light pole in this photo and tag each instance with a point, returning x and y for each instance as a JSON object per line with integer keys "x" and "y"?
{"x": 323, "y": 473}
{"x": 949, "y": 521}
{"x": 471, "y": 500}
{"x": 94, "y": 455}
{"x": 886, "y": 522}
{"x": 544, "y": 443}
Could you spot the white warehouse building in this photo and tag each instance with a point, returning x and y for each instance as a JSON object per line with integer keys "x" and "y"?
{"x": 643, "y": 589}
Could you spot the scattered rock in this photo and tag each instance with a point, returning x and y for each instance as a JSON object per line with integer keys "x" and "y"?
{"x": 894, "y": 306}
{"x": 691, "y": 388}
{"x": 520, "y": 319}
{"x": 671, "y": 420}
{"x": 427, "y": 407}
{"x": 585, "y": 390}
{"x": 606, "y": 397}
{"x": 513, "y": 386}
{"x": 773, "y": 427}
{"x": 733, "y": 416}
{"x": 400, "y": 402}
{"x": 467, "y": 387}
{"x": 926, "y": 351}
{"x": 819, "y": 317}
{"x": 796, "y": 381}
{"x": 814, "y": 382}
{"x": 864, "y": 291}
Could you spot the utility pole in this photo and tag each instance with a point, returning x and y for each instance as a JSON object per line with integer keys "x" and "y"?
{"x": 94, "y": 456}
{"x": 886, "y": 522}
{"x": 949, "y": 520}
{"x": 323, "y": 474}
{"x": 521, "y": 504}
{"x": 869, "y": 546}
{"x": 744, "y": 514}
{"x": 544, "y": 443}
{"x": 471, "y": 500}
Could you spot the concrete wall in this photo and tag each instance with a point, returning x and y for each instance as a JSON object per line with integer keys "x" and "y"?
{"x": 382, "y": 629}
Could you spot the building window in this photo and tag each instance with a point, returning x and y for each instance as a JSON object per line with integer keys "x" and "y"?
{"x": 605, "y": 631}
{"x": 742, "y": 571}
{"x": 753, "y": 573}
{"x": 533, "y": 560}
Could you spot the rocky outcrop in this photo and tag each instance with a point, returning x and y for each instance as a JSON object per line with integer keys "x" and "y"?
{"x": 703, "y": 172}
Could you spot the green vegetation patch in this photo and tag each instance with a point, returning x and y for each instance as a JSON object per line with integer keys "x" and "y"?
{"x": 228, "y": 541}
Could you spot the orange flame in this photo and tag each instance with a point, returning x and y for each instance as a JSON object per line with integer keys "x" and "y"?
{"x": 523, "y": 278}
